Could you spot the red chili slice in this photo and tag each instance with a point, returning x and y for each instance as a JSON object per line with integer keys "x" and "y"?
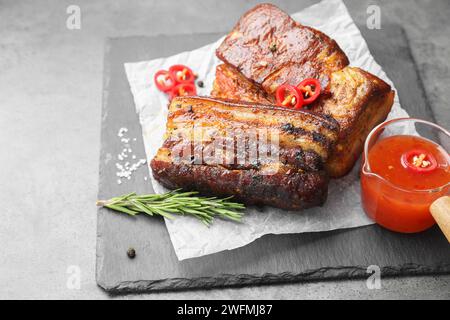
{"x": 419, "y": 161}
{"x": 183, "y": 89}
{"x": 289, "y": 96}
{"x": 182, "y": 73}
{"x": 310, "y": 89}
{"x": 164, "y": 80}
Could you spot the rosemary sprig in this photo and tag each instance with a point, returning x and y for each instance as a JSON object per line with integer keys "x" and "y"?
{"x": 174, "y": 202}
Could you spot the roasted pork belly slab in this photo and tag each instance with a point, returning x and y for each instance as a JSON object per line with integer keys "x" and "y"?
{"x": 260, "y": 154}
{"x": 357, "y": 99}
{"x": 268, "y": 47}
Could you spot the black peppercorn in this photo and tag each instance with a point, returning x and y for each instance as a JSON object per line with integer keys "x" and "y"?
{"x": 200, "y": 83}
{"x": 131, "y": 253}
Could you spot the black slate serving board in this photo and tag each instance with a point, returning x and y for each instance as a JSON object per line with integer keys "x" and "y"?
{"x": 341, "y": 254}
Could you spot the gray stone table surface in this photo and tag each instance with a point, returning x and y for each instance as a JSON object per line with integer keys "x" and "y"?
{"x": 50, "y": 104}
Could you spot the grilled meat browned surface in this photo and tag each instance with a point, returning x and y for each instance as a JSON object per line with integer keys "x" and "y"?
{"x": 357, "y": 99}
{"x": 232, "y": 85}
{"x": 268, "y": 47}
{"x": 260, "y": 154}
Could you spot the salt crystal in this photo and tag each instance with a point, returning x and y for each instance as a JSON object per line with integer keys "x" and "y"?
{"x": 121, "y": 132}
{"x": 126, "y": 170}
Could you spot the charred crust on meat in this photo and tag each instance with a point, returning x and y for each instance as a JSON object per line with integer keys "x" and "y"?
{"x": 289, "y": 128}
{"x": 317, "y": 137}
{"x": 277, "y": 27}
{"x": 256, "y": 179}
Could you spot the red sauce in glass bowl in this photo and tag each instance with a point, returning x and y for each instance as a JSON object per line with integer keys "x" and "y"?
{"x": 405, "y": 174}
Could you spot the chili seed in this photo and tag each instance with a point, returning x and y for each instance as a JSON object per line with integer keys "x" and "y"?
{"x": 273, "y": 47}
{"x": 131, "y": 253}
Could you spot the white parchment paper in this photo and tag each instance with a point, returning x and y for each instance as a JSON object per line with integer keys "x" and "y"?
{"x": 343, "y": 208}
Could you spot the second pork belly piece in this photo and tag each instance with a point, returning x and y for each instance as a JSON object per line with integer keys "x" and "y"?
{"x": 268, "y": 47}
{"x": 357, "y": 99}
{"x": 294, "y": 178}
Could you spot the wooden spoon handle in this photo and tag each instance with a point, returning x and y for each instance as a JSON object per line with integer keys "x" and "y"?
{"x": 440, "y": 210}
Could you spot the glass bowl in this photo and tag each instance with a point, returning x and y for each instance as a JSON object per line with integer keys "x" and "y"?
{"x": 392, "y": 206}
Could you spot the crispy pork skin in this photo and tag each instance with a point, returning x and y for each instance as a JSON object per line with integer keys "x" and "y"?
{"x": 268, "y": 47}
{"x": 292, "y": 176}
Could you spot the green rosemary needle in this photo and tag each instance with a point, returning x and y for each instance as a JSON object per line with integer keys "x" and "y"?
{"x": 174, "y": 202}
